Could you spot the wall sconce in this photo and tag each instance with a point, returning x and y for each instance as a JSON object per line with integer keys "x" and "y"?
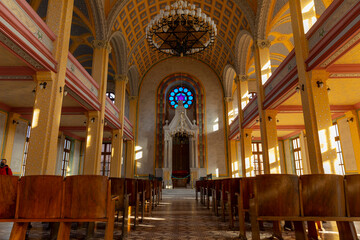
{"x": 106, "y": 123}
{"x": 277, "y": 120}
{"x": 350, "y": 119}
{"x": 328, "y": 89}
{"x": 257, "y": 120}
{"x": 65, "y": 93}
{"x": 85, "y": 123}
{"x": 15, "y": 122}
{"x": 270, "y": 118}
{"x": 92, "y": 120}
{"x": 115, "y": 136}
{"x": 320, "y": 84}
{"x": 246, "y": 135}
{"x": 33, "y": 92}
{"x": 43, "y": 85}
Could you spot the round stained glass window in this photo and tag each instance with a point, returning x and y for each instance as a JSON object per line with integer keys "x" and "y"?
{"x": 181, "y": 93}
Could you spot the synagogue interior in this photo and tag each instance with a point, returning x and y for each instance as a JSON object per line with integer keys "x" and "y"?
{"x": 179, "y": 119}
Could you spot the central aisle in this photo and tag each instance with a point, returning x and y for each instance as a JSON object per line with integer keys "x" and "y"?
{"x": 179, "y": 216}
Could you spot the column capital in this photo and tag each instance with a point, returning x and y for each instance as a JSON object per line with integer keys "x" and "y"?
{"x": 271, "y": 113}
{"x": 133, "y": 98}
{"x": 263, "y": 43}
{"x": 41, "y": 76}
{"x": 121, "y": 77}
{"x": 101, "y": 44}
{"x": 242, "y": 78}
{"x": 228, "y": 99}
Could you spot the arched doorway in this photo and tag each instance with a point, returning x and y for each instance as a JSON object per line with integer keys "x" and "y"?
{"x": 181, "y": 160}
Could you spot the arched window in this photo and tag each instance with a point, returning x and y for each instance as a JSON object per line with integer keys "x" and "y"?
{"x": 181, "y": 93}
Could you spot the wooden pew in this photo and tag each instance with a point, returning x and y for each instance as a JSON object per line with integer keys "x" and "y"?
{"x": 197, "y": 188}
{"x": 311, "y": 198}
{"x": 87, "y": 198}
{"x": 216, "y": 196}
{"x": 149, "y": 194}
{"x": 39, "y": 199}
{"x": 277, "y": 197}
{"x": 208, "y": 190}
{"x": 327, "y": 191}
{"x": 118, "y": 188}
{"x": 352, "y": 197}
{"x": 233, "y": 193}
{"x": 225, "y": 184}
{"x": 8, "y": 195}
{"x": 247, "y": 192}
{"x": 142, "y": 192}
{"x": 134, "y": 198}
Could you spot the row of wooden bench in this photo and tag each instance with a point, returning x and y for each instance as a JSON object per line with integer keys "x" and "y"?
{"x": 276, "y": 197}
{"x": 83, "y": 198}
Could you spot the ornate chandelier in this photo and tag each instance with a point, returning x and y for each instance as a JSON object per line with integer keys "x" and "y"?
{"x": 181, "y": 30}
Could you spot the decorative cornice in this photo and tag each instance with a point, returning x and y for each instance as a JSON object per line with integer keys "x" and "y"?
{"x": 100, "y": 44}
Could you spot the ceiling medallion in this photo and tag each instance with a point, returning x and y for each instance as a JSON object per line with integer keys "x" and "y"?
{"x": 181, "y": 29}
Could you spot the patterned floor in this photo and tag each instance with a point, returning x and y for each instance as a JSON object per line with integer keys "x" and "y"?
{"x": 178, "y": 216}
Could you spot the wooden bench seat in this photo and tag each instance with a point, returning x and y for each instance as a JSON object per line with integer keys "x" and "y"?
{"x": 315, "y": 197}
{"x": 53, "y": 199}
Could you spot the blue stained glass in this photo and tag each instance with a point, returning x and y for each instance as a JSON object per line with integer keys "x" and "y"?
{"x": 176, "y": 90}
{"x": 191, "y": 98}
{"x": 189, "y": 102}
{"x": 189, "y": 93}
{"x": 172, "y": 94}
{"x": 181, "y": 89}
{"x": 173, "y": 103}
{"x": 183, "y": 94}
{"x": 176, "y": 106}
{"x": 186, "y": 106}
{"x": 186, "y": 90}
{"x": 171, "y": 98}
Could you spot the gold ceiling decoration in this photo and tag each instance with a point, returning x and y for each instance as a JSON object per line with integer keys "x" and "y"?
{"x": 136, "y": 15}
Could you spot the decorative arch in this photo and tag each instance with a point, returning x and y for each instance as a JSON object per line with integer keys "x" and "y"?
{"x": 119, "y": 46}
{"x": 97, "y": 7}
{"x": 199, "y": 104}
{"x": 133, "y": 75}
{"x": 262, "y": 19}
{"x": 228, "y": 78}
{"x": 243, "y": 42}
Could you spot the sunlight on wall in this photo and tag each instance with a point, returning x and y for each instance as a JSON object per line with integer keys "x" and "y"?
{"x": 217, "y": 172}
{"x": 323, "y": 141}
{"x": 138, "y": 153}
{"x": 272, "y": 155}
{"x": 88, "y": 141}
{"x": 327, "y": 167}
{"x": 244, "y": 99}
{"x": 216, "y": 125}
{"x": 35, "y": 120}
{"x": 309, "y": 16}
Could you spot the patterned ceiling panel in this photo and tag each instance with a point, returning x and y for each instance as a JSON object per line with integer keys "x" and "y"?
{"x": 135, "y": 16}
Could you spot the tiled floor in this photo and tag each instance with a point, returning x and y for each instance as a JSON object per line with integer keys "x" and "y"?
{"x": 178, "y": 216}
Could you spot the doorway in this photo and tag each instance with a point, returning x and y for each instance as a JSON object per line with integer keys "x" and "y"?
{"x": 181, "y": 160}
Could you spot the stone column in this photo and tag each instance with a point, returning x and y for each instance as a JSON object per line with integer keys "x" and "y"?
{"x": 305, "y": 80}
{"x": 263, "y": 71}
{"x": 248, "y": 151}
{"x": 130, "y": 158}
{"x": 117, "y": 146}
{"x": 95, "y": 130}
{"x": 42, "y": 152}
{"x": 273, "y": 146}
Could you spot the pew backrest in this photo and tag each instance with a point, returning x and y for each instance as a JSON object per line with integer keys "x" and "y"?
{"x": 86, "y": 197}
{"x": 277, "y": 195}
{"x": 323, "y": 195}
{"x": 352, "y": 193}
{"x": 8, "y": 194}
{"x": 40, "y": 197}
